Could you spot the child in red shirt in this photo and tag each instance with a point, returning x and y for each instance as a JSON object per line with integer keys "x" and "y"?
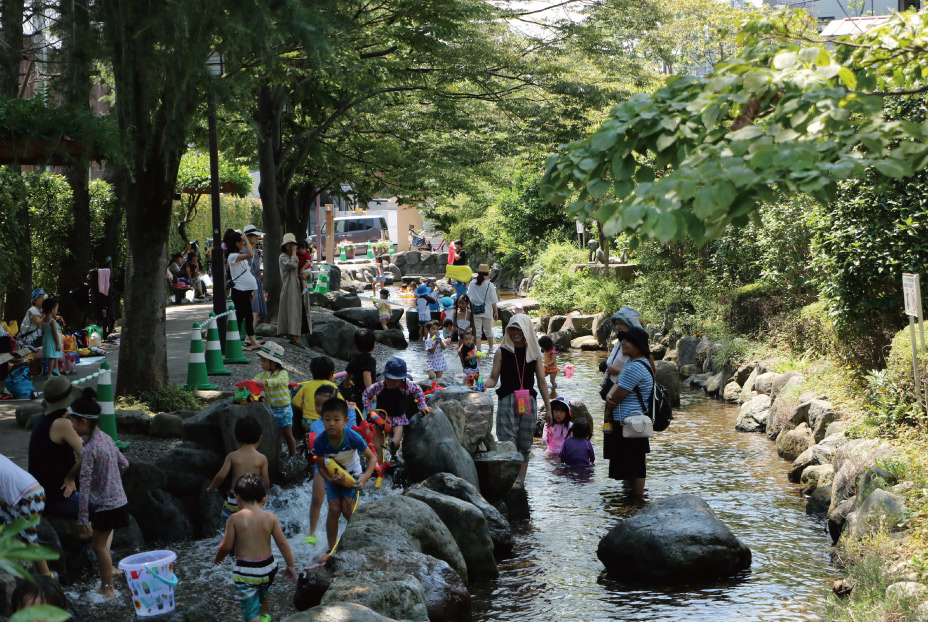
{"x": 306, "y": 261}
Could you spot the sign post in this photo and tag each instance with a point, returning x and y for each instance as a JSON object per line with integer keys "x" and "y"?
{"x": 912, "y": 293}
{"x": 581, "y": 230}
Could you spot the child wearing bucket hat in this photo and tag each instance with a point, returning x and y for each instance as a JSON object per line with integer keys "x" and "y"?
{"x": 276, "y": 382}
{"x": 390, "y": 395}
{"x": 102, "y": 466}
{"x": 423, "y": 300}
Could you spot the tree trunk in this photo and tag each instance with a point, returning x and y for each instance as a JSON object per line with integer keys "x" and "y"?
{"x": 189, "y": 214}
{"x": 17, "y": 292}
{"x": 267, "y": 117}
{"x": 603, "y": 244}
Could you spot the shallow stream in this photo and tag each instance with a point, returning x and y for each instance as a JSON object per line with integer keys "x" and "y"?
{"x": 554, "y": 574}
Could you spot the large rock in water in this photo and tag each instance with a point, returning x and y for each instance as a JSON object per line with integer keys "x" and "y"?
{"x": 468, "y": 525}
{"x": 686, "y": 351}
{"x": 395, "y": 595}
{"x": 431, "y": 446}
{"x": 500, "y": 532}
{"x": 339, "y": 612}
{"x": 675, "y": 539}
{"x": 367, "y": 317}
{"x": 471, "y": 416}
{"x": 446, "y": 595}
{"x": 753, "y": 414}
{"x": 497, "y": 470}
{"x": 403, "y": 523}
{"x": 214, "y": 429}
{"x": 851, "y": 460}
{"x": 578, "y": 410}
{"x": 333, "y": 335}
{"x": 668, "y": 374}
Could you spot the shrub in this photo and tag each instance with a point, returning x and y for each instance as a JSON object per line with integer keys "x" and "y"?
{"x": 891, "y": 395}
{"x": 750, "y": 309}
{"x": 165, "y": 398}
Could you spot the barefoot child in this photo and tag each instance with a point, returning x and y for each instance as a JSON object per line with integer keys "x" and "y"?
{"x": 467, "y": 351}
{"x": 51, "y": 337}
{"x": 550, "y": 362}
{"x": 102, "y": 466}
{"x": 276, "y": 383}
{"x": 324, "y": 393}
{"x": 384, "y": 310}
{"x": 245, "y": 459}
{"x": 322, "y": 369}
{"x": 341, "y": 444}
{"x": 249, "y": 532}
{"x": 21, "y": 496}
{"x": 435, "y": 350}
{"x": 390, "y": 396}
{"x": 557, "y": 431}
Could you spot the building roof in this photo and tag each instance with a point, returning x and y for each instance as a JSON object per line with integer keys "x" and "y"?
{"x": 851, "y": 26}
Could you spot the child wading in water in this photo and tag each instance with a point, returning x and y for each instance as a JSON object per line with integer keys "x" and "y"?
{"x": 577, "y": 449}
{"x": 324, "y": 393}
{"x": 102, "y": 466}
{"x": 558, "y": 430}
{"x": 468, "y": 353}
{"x": 276, "y": 383}
{"x": 390, "y": 396}
{"x": 550, "y": 362}
{"x": 51, "y": 337}
{"x": 341, "y": 445}
{"x": 435, "y": 350}
{"x": 246, "y": 459}
{"x": 384, "y": 310}
{"x": 249, "y": 532}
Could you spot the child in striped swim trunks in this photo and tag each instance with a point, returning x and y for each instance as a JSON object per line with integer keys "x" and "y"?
{"x": 276, "y": 383}
{"x": 249, "y": 532}
{"x": 245, "y": 459}
{"x": 21, "y": 496}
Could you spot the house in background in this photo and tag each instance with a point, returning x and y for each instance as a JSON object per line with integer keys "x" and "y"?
{"x": 826, "y": 11}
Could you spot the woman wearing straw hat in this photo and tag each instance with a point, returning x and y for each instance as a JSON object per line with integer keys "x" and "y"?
{"x": 52, "y": 447}
{"x": 244, "y": 285}
{"x": 259, "y": 304}
{"x": 516, "y": 366}
{"x": 483, "y": 300}
{"x": 291, "y": 317}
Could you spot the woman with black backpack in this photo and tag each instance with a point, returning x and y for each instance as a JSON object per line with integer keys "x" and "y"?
{"x": 629, "y": 421}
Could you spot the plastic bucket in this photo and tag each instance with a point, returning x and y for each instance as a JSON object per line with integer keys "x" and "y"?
{"x": 151, "y": 581}
{"x": 568, "y": 371}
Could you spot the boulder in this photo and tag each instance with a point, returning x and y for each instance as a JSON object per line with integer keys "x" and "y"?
{"x": 470, "y": 414}
{"x": 698, "y": 381}
{"x": 605, "y": 334}
{"x": 837, "y": 427}
{"x": 851, "y": 460}
{"x": 401, "y": 522}
{"x": 31, "y": 421}
{"x": 392, "y": 337}
{"x": 334, "y": 336}
{"x": 837, "y": 515}
{"x": 339, "y": 300}
{"x": 555, "y": 323}
{"x": 582, "y": 325}
{"x": 880, "y": 511}
{"x": 820, "y": 415}
{"x": 907, "y": 590}
{"x": 674, "y": 539}
{"x": 367, "y": 317}
{"x": 764, "y": 382}
{"x": 164, "y": 425}
{"x": 747, "y": 389}
{"x": 161, "y": 517}
{"x": 561, "y": 339}
{"x": 128, "y": 540}
{"x": 732, "y": 393}
{"x": 514, "y": 504}
{"x": 587, "y": 343}
{"x": 214, "y": 429}
{"x": 446, "y": 595}
{"x": 713, "y": 386}
{"x": 391, "y": 594}
{"x": 468, "y": 526}
{"x": 688, "y": 370}
{"x": 686, "y": 351}
{"x": 784, "y": 381}
{"x": 744, "y": 372}
{"x": 819, "y": 500}
{"x": 141, "y": 477}
{"x": 753, "y": 414}
{"x": 498, "y": 526}
{"x": 702, "y": 352}
{"x": 27, "y": 410}
{"x": 497, "y": 470}
{"x": 430, "y": 445}
{"x": 815, "y": 477}
{"x": 339, "y": 612}
{"x": 711, "y": 353}
{"x": 132, "y": 422}
{"x": 191, "y": 459}
{"x": 668, "y": 374}
{"x": 791, "y": 443}
{"x": 818, "y": 454}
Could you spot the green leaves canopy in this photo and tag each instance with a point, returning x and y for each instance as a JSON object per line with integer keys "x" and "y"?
{"x": 701, "y": 153}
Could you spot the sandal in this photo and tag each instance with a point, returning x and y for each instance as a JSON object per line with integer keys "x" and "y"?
{"x": 297, "y": 344}
{"x": 247, "y": 349}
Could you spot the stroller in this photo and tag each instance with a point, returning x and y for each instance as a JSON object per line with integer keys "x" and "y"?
{"x": 97, "y": 306}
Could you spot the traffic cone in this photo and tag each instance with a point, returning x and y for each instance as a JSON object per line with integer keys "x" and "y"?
{"x": 107, "y": 421}
{"x": 196, "y": 364}
{"x": 234, "y": 352}
{"x": 214, "y": 365}
{"x": 370, "y": 251}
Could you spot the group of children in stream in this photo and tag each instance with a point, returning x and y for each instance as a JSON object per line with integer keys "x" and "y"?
{"x": 330, "y": 421}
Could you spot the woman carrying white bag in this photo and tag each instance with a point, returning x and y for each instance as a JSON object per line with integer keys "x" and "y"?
{"x": 631, "y": 401}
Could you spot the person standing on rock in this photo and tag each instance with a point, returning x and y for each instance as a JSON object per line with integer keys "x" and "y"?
{"x": 259, "y": 304}
{"x": 517, "y": 365}
{"x": 627, "y": 456}
{"x": 483, "y": 301}
{"x": 291, "y": 318}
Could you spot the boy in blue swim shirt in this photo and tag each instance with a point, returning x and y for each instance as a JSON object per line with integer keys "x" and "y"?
{"x": 343, "y": 445}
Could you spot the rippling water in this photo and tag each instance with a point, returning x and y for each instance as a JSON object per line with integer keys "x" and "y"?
{"x": 554, "y": 573}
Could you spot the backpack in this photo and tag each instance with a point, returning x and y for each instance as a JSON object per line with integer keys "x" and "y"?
{"x": 19, "y": 384}
{"x": 662, "y": 409}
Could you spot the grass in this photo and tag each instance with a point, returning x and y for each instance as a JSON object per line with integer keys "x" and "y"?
{"x": 161, "y": 399}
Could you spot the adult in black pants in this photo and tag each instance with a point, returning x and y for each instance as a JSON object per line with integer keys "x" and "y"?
{"x": 244, "y": 285}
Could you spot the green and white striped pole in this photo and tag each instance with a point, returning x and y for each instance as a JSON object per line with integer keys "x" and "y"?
{"x": 214, "y": 366}
{"x": 234, "y": 352}
{"x": 107, "y": 421}
{"x": 196, "y": 363}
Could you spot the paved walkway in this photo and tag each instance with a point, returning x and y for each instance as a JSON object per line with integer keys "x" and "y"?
{"x": 14, "y": 440}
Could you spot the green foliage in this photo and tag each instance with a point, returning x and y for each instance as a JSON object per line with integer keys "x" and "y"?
{"x": 891, "y": 395}
{"x": 12, "y": 196}
{"x": 234, "y": 212}
{"x": 702, "y": 153}
{"x": 12, "y": 552}
{"x": 807, "y": 331}
{"x": 194, "y": 175}
{"x": 532, "y": 223}
{"x": 51, "y": 215}
{"x": 166, "y": 398}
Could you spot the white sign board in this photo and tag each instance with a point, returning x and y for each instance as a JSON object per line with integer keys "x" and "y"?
{"x": 581, "y": 228}
{"x": 911, "y": 292}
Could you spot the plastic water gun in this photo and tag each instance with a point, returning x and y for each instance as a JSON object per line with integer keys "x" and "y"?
{"x": 430, "y": 392}
{"x": 366, "y": 430}
{"x": 310, "y": 441}
{"x": 379, "y": 418}
{"x": 335, "y": 469}
{"x": 380, "y": 470}
{"x": 480, "y": 354}
{"x": 340, "y": 374}
{"x": 480, "y": 386}
{"x": 253, "y": 387}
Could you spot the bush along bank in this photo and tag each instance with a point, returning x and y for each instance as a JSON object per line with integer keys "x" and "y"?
{"x": 859, "y": 461}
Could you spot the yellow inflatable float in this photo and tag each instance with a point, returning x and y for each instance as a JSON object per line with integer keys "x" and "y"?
{"x": 459, "y": 273}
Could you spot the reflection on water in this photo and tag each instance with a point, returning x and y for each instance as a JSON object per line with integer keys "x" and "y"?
{"x": 554, "y": 574}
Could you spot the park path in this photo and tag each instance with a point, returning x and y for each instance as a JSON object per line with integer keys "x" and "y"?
{"x": 14, "y": 441}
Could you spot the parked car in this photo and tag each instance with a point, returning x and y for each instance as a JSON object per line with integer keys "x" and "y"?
{"x": 354, "y": 229}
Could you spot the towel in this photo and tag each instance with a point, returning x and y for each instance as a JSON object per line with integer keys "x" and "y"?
{"x": 103, "y": 281}
{"x": 532, "y": 349}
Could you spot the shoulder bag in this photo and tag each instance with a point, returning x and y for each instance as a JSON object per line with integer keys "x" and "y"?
{"x": 482, "y": 307}
{"x": 639, "y": 425}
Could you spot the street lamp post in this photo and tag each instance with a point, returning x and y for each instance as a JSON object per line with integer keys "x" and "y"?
{"x": 215, "y": 64}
